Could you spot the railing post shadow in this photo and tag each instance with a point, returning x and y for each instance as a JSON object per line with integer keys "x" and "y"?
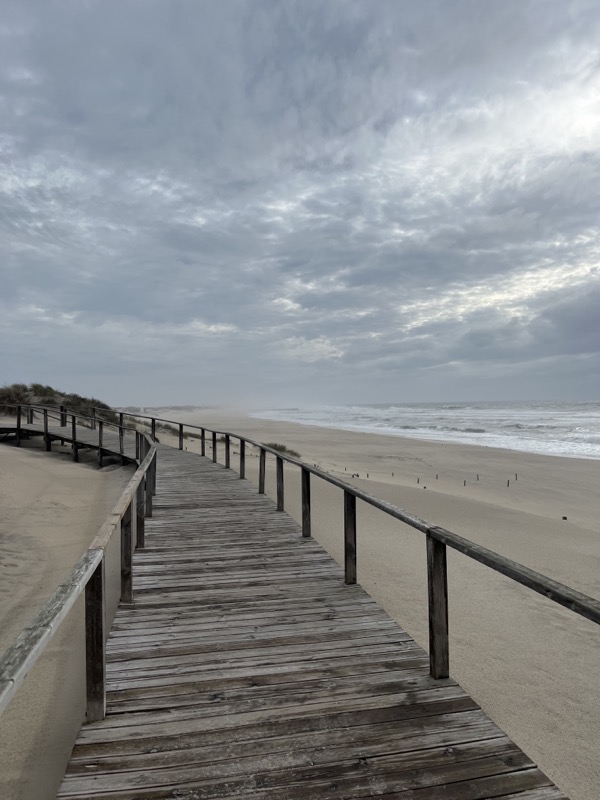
{"x": 262, "y": 466}
{"x": 437, "y": 591}
{"x": 306, "y": 532}
{"x": 242, "y": 459}
{"x": 126, "y": 556}
{"x": 280, "y": 487}
{"x": 349, "y": 538}
{"x": 227, "y": 451}
{"x": 95, "y": 658}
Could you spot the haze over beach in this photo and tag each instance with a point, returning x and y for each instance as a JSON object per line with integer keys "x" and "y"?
{"x": 368, "y": 231}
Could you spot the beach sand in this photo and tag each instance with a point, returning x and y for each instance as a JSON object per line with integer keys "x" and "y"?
{"x": 531, "y": 664}
{"x": 51, "y": 511}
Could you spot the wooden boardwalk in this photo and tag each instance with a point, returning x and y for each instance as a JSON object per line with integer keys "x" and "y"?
{"x": 246, "y": 668}
{"x": 86, "y": 437}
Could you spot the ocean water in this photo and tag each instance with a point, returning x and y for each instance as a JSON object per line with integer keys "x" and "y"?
{"x": 560, "y": 429}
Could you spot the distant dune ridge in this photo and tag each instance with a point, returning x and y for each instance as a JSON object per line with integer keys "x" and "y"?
{"x": 40, "y": 394}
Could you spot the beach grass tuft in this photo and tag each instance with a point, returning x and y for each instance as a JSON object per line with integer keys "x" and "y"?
{"x": 282, "y": 448}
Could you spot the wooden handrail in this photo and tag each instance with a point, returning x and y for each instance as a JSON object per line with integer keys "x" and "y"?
{"x": 87, "y": 576}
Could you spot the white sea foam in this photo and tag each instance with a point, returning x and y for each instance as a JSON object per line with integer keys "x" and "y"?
{"x": 560, "y": 429}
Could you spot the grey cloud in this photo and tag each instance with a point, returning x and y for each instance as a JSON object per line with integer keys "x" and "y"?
{"x": 388, "y": 188}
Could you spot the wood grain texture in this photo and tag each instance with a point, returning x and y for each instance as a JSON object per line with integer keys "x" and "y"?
{"x": 246, "y": 668}
{"x": 437, "y": 592}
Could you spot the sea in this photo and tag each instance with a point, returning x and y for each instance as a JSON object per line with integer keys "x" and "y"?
{"x": 549, "y": 428}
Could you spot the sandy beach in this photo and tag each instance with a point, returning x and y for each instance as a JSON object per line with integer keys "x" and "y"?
{"x": 531, "y": 664}
{"x": 51, "y": 511}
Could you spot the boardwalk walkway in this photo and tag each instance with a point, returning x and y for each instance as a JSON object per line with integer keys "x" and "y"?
{"x": 85, "y": 437}
{"x": 246, "y": 668}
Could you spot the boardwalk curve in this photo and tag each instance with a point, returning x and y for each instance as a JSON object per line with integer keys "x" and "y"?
{"x": 246, "y": 668}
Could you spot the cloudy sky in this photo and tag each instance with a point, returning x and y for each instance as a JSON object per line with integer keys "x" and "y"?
{"x": 277, "y": 201}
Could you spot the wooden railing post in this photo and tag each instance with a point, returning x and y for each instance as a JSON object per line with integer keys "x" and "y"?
{"x": 63, "y": 417}
{"x": 153, "y": 428}
{"x": 306, "y": 533}
{"x": 47, "y": 441}
{"x": 349, "y": 537}
{"x": 121, "y": 440}
{"x": 121, "y": 419}
{"x": 100, "y": 443}
{"x": 93, "y": 423}
{"x": 437, "y": 591}
{"x": 126, "y": 557}
{"x": 140, "y": 527}
{"x": 280, "y": 488}
{"x": 242, "y": 459}
{"x": 18, "y": 426}
{"x": 180, "y": 436}
{"x": 262, "y": 465}
{"x": 74, "y": 437}
{"x": 30, "y": 416}
{"x": 227, "y": 451}
{"x": 95, "y": 658}
{"x": 202, "y": 442}
{"x": 214, "y": 446}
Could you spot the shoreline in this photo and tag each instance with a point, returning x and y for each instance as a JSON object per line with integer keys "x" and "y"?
{"x": 431, "y": 439}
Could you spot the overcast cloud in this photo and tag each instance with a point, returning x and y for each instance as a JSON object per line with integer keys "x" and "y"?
{"x": 266, "y": 201}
